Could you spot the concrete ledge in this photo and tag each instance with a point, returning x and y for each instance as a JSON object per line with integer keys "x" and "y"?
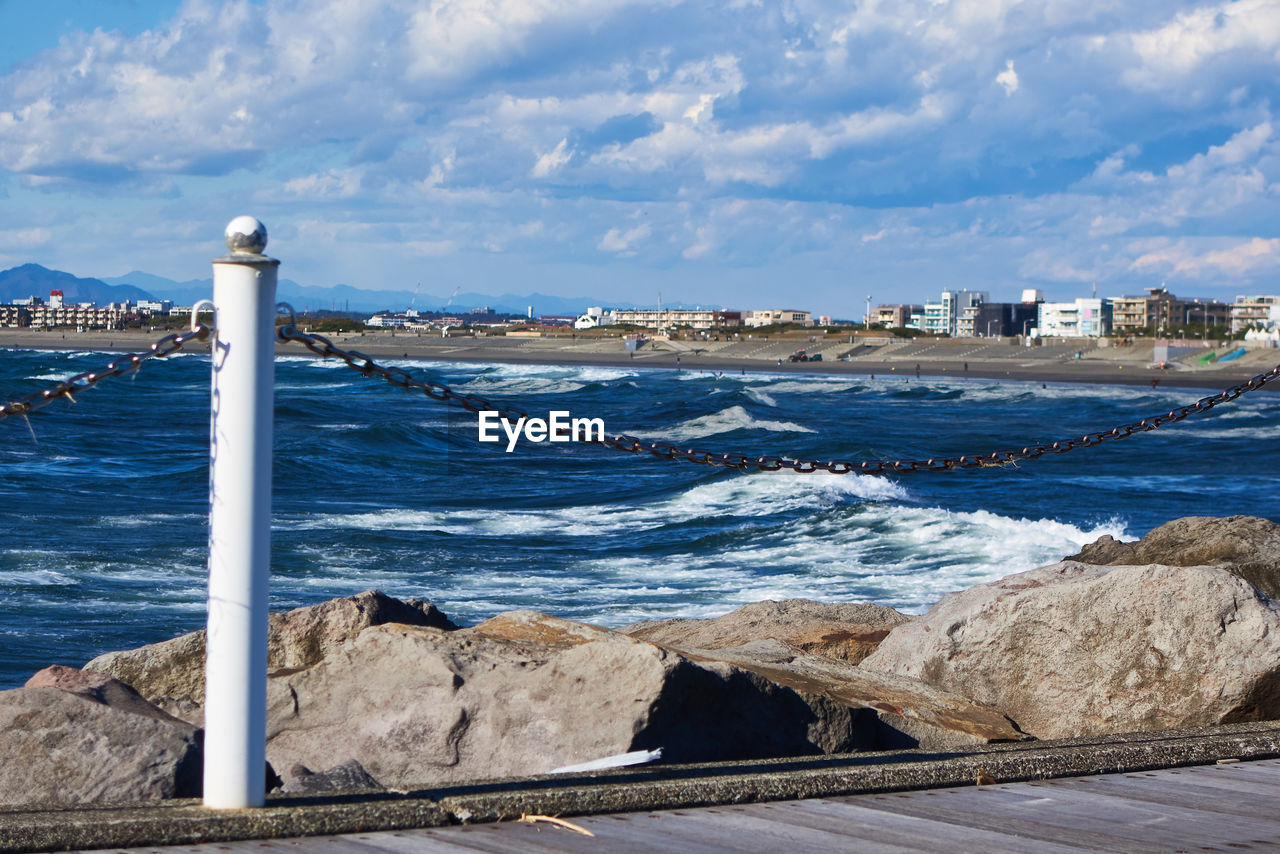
{"x": 654, "y": 788}
{"x": 185, "y": 822}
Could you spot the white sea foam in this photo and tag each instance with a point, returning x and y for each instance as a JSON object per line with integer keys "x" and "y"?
{"x": 35, "y": 578}
{"x": 760, "y": 397}
{"x": 819, "y": 536}
{"x": 140, "y": 520}
{"x": 890, "y": 554}
{"x": 726, "y": 421}
{"x": 1267, "y": 433}
{"x": 586, "y": 374}
{"x": 817, "y": 385}
{"x": 520, "y": 385}
{"x": 312, "y": 386}
{"x": 761, "y": 494}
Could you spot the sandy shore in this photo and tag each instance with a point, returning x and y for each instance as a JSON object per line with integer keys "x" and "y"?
{"x": 969, "y": 358}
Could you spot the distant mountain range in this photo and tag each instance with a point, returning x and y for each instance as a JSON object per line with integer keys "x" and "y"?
{"x": 34, "y": 280}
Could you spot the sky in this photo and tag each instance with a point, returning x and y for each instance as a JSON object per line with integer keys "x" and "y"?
{"x": 803, "y": 154}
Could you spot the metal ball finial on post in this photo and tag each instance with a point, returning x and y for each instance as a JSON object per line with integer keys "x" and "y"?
{"x": 244, "y": 290}
{"x": 246, "y": 235}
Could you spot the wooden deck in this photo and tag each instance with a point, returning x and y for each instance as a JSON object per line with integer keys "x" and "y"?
{"x": 1227, "y": 808}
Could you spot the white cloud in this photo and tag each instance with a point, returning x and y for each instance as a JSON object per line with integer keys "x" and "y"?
{"x": 1196, "y": 37}
{"x": 24, "y": 238}
{"x": 1008, "y": 78}
{"x": 552, "y": 160}
{"x": 333, "y": 184}
{"x": 1183, "y": 257}
{"x": 452, "y": 38}
{"x": 1258, "y": 253}
{"x": 704, "y": 243}
{"x": 617, "y": 240}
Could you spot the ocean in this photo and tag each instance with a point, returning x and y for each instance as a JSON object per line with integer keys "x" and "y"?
{"x": 103, "y": 502}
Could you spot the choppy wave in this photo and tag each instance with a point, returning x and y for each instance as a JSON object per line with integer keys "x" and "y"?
{"x": 755, "y": 495}
{"x": 726, "y": 421}
{"x": 526, "y": 386}
{"x": 886, "y": 552}
{"x": 819, "y": 385}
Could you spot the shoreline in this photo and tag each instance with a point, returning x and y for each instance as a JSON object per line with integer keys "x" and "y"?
{"x": 948, "y": 358}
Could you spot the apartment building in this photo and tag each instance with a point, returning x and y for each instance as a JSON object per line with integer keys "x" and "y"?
{"x": 896, "y": 316}
{"x": 667, "y": 318}
{"x": 773, "y": 316}
{"x": 1083, "y": 318}
{"x": 1251, "y": 312}
{"x": 950, "y": 315}
{"x": 1159, "y": 309}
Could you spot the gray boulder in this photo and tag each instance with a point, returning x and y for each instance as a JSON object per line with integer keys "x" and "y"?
{"x": 170, "y": 674}
{"x": 69, "y": 737}
{"x": 894, "y": 711}
{"x": 524, "y": 693}
{"x": 346, "y": 777}
{"x": 1245, "y": 546}
{"x": 845, "y": 631}
{"x": 1073, "y": 649}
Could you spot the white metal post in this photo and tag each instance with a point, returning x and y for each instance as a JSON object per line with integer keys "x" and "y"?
{"x": 235, "y": 711}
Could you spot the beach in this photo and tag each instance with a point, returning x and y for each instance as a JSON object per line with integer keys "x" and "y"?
{"x": 1056, "y": 360}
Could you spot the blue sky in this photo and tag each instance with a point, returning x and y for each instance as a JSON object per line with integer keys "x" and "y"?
{"x": 803, "y": 154}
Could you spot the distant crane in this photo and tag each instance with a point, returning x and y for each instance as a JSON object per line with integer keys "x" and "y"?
{"x": 414, "y": 299}
{"x": 451, "y": 297}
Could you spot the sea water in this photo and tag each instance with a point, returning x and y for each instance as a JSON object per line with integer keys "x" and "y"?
{"x": 103, "y": 502}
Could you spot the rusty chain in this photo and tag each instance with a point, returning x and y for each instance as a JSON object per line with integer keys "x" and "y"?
{"x": 126, "y": 364}
{"x": 325, "y": 348}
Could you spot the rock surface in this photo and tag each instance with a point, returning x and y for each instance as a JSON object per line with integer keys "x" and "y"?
{"x": 1245, "y": 546}
{"x": 171, "y": 673}
{"x": 73, "y": 738}
{"x": 347, "y": 777}
{"x": 899, "y": 712}
{"x": 1074, "y": 649}
{"x": 849, "y": 632}
{"x": 524, "y": 693}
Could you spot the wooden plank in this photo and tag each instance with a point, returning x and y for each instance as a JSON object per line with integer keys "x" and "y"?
{"x": 1180, "y": 794}
{"x": 743, "y": 829}
{"x": 752, "y": 828}
{"x": 910, "y": 832}
{"x": 1219, "y": 777}
{"x": 1146, "y": 821}
{"x": 1073, "y": 803}
{"x": 1046, "y": 817}
{"x": 364, "y": 843}
{"x": 638, "y": 832}
{"x": 1264, "y": 773}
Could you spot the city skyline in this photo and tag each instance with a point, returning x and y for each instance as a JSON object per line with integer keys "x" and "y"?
{"x": 731, "y": 153}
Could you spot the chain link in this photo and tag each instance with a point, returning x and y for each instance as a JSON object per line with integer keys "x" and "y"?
{"x": 126, "y": 364}
{"x": 322, "y": 346}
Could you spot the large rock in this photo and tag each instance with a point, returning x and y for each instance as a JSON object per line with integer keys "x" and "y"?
{"x": 1074, "y": 649}
{"x": 899, "y": 712}
{"x": 846, "y": 631}
{"x": 524, "y": 693}
{"x": 171, "y": 673}
{"x": 73, "y": 738}
{"x": 350, "y": 776}
{"x": 1243, "y": 545}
